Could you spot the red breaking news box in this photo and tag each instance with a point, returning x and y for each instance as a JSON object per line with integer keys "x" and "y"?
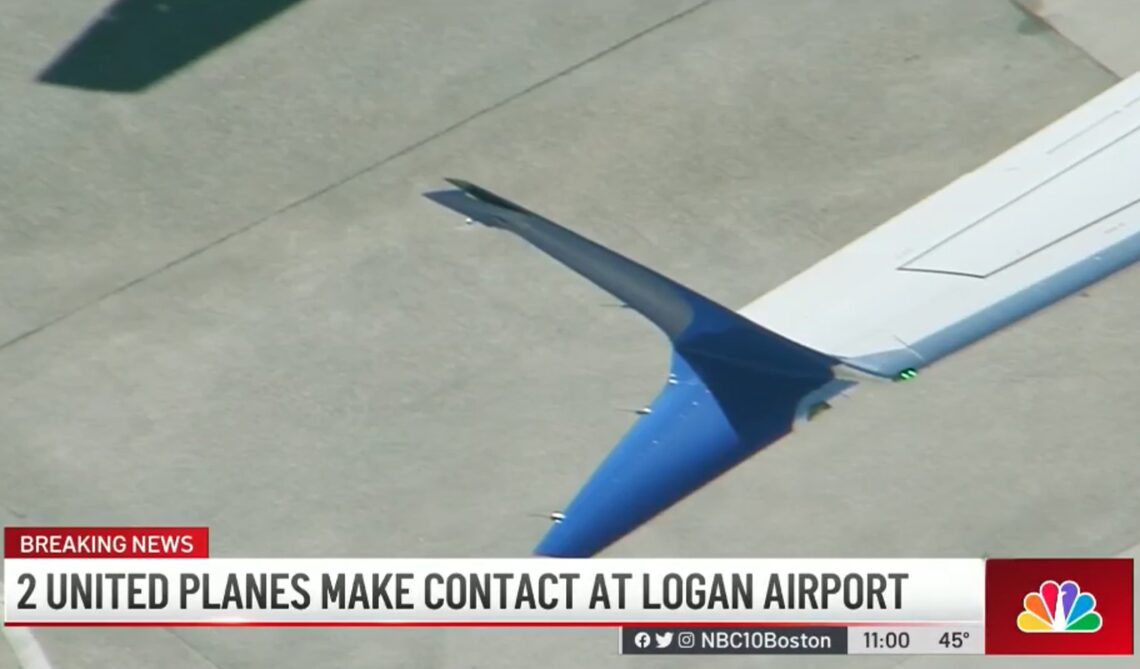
{"x": 106, "y": 542}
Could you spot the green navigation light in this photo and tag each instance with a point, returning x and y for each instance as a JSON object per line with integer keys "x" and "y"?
{"x": 907, "y": 374}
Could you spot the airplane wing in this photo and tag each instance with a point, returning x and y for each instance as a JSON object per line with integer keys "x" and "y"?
{"x": 1047, "y": 218}
{"x": 1053, "y": 215}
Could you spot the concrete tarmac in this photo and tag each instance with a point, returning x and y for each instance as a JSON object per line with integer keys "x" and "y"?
{"x": 226, "y": 303}
{"x": 1104, "y": 29}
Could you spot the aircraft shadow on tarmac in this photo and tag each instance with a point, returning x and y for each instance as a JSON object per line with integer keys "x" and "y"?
{"x": 133, "y": 44}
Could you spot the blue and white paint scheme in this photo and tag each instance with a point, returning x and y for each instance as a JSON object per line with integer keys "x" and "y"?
{"x": 1052, "y": 215}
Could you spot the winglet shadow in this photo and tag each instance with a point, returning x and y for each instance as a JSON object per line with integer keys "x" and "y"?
{"x": 133, "y": 44}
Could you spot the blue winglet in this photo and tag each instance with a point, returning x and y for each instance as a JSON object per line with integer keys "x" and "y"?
{"x": 736, "y": 386}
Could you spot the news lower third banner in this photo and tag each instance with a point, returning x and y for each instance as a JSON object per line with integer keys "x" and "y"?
{"x": 161, "y": 576}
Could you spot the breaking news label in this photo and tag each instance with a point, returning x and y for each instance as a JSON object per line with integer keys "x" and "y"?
{"x": 164, "y": 576}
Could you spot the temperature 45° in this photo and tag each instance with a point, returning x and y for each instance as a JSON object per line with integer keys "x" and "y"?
{"x": 953, "y": 639}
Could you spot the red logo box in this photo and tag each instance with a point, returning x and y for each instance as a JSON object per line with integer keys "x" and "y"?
{"x": 1045, "y": 590}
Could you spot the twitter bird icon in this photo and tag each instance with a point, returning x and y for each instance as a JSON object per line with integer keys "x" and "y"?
{"x": 663, "y": 640}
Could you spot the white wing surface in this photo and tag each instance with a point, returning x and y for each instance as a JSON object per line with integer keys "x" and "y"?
{"x": 1047, "y": 218}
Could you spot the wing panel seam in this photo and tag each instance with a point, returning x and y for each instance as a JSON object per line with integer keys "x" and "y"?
{"x": 1069, "y": 168}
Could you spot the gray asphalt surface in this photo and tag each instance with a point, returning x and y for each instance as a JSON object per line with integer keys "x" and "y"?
{"x": 226, "y": 303}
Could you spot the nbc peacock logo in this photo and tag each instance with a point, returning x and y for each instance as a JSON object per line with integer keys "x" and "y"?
{"x": 1059, "y": 608}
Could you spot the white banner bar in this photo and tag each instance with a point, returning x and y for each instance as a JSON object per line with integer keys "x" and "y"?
{"x": 491, "y": 591}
